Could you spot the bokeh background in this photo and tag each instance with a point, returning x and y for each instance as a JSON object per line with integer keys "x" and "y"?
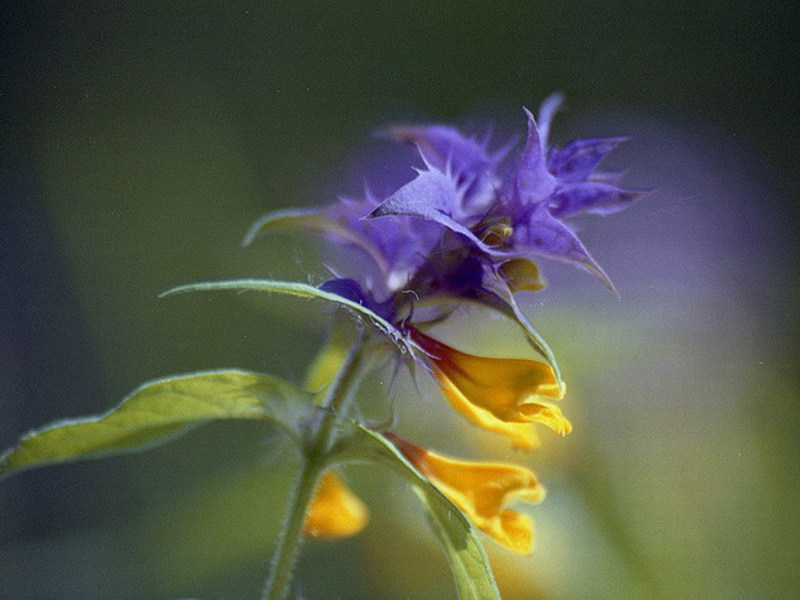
{"x": 139, "y": 140}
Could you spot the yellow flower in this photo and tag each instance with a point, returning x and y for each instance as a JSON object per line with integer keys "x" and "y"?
{"x": 335, "y": 512}
{"x": 482, "y": 490}
{"x": 498, "y": 394}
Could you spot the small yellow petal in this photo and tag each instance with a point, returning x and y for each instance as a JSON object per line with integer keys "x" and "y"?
{"x": 516, "y": 530}
{"x": 482, "y": 490}
{"x": 522, "y": 435}
{"x": 328, "y": 362}
{"x": 546, "y": 414}
{"x": 335, "y": 512}
{"x": 522, "y": 274}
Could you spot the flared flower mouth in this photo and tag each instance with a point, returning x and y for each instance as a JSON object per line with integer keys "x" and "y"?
{"x": 504, "y": 395}
{"x": 482, "y": 490}
{"x": 335, "y": 512}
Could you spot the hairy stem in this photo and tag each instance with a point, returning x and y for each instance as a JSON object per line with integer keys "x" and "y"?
{"x": 277, "y": 585}
{"x": 322, "y": 431}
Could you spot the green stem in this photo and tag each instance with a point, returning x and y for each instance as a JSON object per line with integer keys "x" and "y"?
{"x": 336, "y": 399}
{"x": 311, "y": 467}
{"x": 277, "y": 586}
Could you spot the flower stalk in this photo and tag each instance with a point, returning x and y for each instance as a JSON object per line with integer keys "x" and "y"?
{"x": 285, "y": 556}
{"x": 321, "y": 433}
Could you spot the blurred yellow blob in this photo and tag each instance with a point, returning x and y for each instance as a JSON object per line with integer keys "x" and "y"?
{"x": 335, "y": 512}
{"x": 498, "y": 394}
{"x": 482, "y": 490}
{"x": 496, "y": 233}
{"x": 522, "y": 274}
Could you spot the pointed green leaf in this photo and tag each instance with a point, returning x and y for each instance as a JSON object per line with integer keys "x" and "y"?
{"x": 315, "y": 220}
{"x": 158, "y": 411}
{"x": 302, "y": 290}
{"x": 501, "y": 299}
{"x": 468, "y": 563}
{"x": 534, "y": 337}
{"x": 291, "y": 219}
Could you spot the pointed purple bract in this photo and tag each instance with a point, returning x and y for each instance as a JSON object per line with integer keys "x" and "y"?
{"x": 442, "y": 146}
{"x": 433, "y": 196}
{"x": 532, "y": 182}
{"x": 547, "y": 112}
{"x": 449, "y": 230}
{"x": 522, "y": 217}
{"x": 468, "y": 162}
{"x": 590, "y": 197}
{"x": 576, "y": 161}
{"x": 545, "y": 235}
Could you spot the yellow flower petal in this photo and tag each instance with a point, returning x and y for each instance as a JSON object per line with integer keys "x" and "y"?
{"x": 335, "y": 512}
{"x": 482, "y": 490}
{"x": 522, "y": 274}
{"x": 328, "y": 362}
{"x": 522, "y": 435}
{"x": 498, "y": 394}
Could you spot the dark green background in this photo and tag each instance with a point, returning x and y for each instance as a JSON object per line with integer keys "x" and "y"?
{"x": 141, "y": 139}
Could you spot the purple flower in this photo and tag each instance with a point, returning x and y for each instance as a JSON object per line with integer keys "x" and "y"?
{"x": 521, "y": 217}
{"x": 466, "y": 161}
{"x": 397, "y": 248}
{"x": 460, "y": 231}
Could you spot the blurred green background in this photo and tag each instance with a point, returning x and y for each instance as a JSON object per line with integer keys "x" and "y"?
{"x": 141, "y": 139}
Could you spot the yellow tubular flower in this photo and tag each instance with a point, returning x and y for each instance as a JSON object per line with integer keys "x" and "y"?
{"x": 335, "y": 512}
{"x": 498, "y": 394}
{"x": 482, "y": 490}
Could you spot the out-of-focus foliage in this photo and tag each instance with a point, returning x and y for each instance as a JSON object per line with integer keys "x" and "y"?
{"x": 141, "y": 140}
{"x": 160, "y": 411}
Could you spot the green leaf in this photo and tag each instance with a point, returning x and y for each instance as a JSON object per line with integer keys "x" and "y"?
{"x": 314, "y": 220}
{"x": 159, "y": 411}
{"x": 534, "y": 337}
{"x": 302, "y": 290}
{"x": 502, "y": 300}
{"x": 499, "y": 297}
{"x": 468, "y": 563}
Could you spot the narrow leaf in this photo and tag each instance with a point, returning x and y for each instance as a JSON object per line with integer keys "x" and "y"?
{"x": 500, "y": 298}
{"x": 290, "y": 220}
{"x": 534, "y": 338}
{"x": 158, "y": 411}
{"x": 337, "y": 221}
{"x": 302, "y": 290}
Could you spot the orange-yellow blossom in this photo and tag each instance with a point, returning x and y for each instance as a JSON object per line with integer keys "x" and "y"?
{"x": 498, "y": 394}
{"x": 482, "y": 490}
{"x": 335, "y": 512}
